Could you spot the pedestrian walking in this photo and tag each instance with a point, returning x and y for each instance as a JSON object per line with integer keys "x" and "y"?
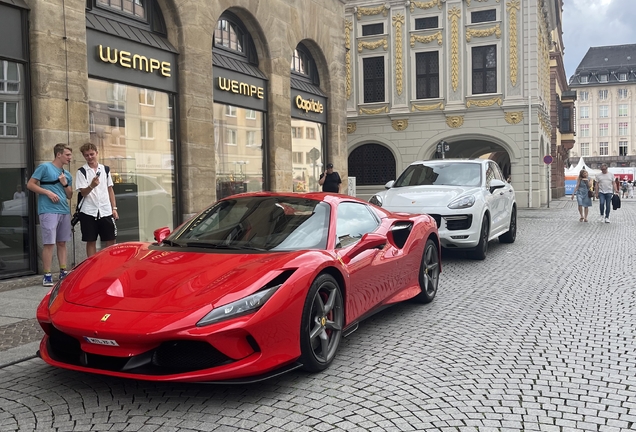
{"x": 330, "y": 180}
{"x": 98, "y": 210}
{"x": 605, "y": 189}
{"x": 630, "y": 189}
{"x": 53, "y": 185}
{"x": 583, "y": 194}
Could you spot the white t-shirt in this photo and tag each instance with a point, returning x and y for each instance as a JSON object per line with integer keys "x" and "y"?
{"x": 97, "y": 201}
{"x": 605, "y": 182}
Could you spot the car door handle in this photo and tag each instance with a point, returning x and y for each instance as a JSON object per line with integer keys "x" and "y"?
{"x": 501, "y": 193}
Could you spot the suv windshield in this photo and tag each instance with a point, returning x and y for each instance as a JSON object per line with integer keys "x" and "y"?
{"x": 260, "y": 223}
{"x": 441, "y": 174}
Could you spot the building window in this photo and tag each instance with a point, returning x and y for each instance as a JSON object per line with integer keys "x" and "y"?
{"x": 297, "y": 157}
{"x": 584, "y": 112}
{"x": 372, "y": 164}
{"x": 117, "y": 131}
{"x": 602, "y": 94}
{"x": 585, "y": 149}
{"x": 584, "y": 130}
{"x": 146, "y": 97}
{"x": 622, "y": 148}
{"x": 299, "y": 62}
{"x": 310, "y": 133}
{"x": 117, "y": 97}
{"x": 584, "y": 96}
{"x": 147, "y": 130}
{"x": 483, "y": 16}
{"x": 427, "y": 75}
{"x": 566, "y": 125}
{"x": 485, "y": 69}
{"x": 584, "y": 79}
{"x": 602, "y": 78}
{"x": 373, "y": 29}
{"x": 230, "y": 137}
{"x": 603, "y": 129}
{"x": 622, "y": 93}
{"x": 603, "y": 149}
{"x": 373, "y": 69}
{"x": 603, "y": 111}
{"x": 250, "y": 114}
{"x": 623, "y": 110}
{"x": 9, "y": 77}
{"x": 230, "y": 111}
{"x": 8, "y": 119}
{"x": 228, "y": 35}
{"x": 426, "y": 23}
{"x": 250, "y": 140}
{"x": 622, "y": 76}
{"x": 129, "y": 7}
{"x": 297, "y": 132}
{"x": 623, "y": 128}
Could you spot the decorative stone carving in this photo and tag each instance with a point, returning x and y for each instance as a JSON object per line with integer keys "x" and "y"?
{"x": 383, "y": 9}
{"x": 427, "y": 107}
{"x": 351, "y": 127}
{"x": 495, "y": 30}
{"x": 425, "y": 5}
{"x": 373, "y": 111}
{"x": 427, "y": 39}
{"x": 398, "y": 20}
{"x": 455, "y": 121}
{"x": 512, "y": 7}
{"x": 400, "y": 125}
{"x": 484, "y": 102}
{"x": 384, "y": 42}
{"x": 348, "y": 29}
{"x": 453, "y": 17}
{"x": 514, "y": 117}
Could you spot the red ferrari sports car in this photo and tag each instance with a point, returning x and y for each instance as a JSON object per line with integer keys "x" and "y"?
{"x": 255, "y": 285}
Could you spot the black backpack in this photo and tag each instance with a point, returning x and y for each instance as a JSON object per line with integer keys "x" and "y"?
{"x": 79, "y": 194}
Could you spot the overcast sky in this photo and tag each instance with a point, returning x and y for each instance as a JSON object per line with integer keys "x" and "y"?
{"x": 588, "y": 23}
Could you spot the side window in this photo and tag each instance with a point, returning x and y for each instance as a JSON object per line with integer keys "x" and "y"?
{"x": 490, "y": 174}
{"x": 352, "y": 222}
{"x": 497, "y": 172}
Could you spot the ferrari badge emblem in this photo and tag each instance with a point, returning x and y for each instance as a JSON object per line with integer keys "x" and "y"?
{"x": 105, "y": 317}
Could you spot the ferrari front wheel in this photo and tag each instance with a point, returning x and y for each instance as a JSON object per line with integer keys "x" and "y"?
{"x": 321, "y": 325}
{"x": 429, "y": 273}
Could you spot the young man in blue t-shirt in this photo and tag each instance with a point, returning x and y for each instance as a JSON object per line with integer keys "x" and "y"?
{"x": 53, "y": 184}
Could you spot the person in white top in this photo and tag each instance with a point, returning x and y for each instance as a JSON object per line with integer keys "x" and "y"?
{"x": 604, "y": 191}
{"x": 98, "y": 209}
{"x": 19, "y": 193}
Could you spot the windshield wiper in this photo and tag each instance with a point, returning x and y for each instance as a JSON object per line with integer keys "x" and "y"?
{"x": 223, "y": 246}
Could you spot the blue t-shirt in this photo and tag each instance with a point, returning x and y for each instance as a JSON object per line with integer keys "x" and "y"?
{"x": 45, "y": 173}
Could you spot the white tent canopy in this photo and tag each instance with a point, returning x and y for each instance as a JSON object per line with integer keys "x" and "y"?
{"x": 575, "y": 170}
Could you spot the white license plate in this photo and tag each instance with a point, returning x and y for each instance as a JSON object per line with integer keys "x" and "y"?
{"x": 96, "y": 341}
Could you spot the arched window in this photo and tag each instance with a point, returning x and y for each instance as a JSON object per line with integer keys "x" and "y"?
{"x": 130, "y": 7}
{"x": 228, "y": 35}
{"x": 303, "y": 65}
{"x": 139, "y": 13}
{"x": 299, "y": 62}
{"x": 372, "y": 164}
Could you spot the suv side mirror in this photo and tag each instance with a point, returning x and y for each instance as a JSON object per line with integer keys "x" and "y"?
{"x": 389, "y": 184}
{"x": 496, "y": 184}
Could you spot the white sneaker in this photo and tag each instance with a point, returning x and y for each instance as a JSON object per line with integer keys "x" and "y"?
{"x": 607, "y": 220}
{"x": 601, "y": 218}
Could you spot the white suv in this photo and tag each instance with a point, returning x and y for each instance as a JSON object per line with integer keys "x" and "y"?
{"x": 469, "y": 199}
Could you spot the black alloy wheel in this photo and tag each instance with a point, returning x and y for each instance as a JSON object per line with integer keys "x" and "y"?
{"x": 480, "y": 252}
{"x": 321, "y": 324}
{"x": 429, "y": 273}
{"x": 511, "y": 235}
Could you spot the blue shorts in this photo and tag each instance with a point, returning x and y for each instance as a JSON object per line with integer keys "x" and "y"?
{"x": 56, "y": 227}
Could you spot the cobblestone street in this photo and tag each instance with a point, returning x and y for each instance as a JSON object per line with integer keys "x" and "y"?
{"x": 538, "y": 337}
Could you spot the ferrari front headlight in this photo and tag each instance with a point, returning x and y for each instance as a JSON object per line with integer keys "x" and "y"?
{"x": 462, "y": 202}
{"x": 240, "y": 307}
{"x": 54, "y": 292}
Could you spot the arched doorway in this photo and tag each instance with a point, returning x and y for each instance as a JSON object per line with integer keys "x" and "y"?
{"x": 372, "y": 165}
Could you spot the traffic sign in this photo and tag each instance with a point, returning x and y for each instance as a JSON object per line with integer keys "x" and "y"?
{"x": 547, "y": 159}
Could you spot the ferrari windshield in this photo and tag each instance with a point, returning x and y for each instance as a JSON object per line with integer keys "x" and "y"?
{"x": 263, "y": 223}
{"x": 441, "y": 174}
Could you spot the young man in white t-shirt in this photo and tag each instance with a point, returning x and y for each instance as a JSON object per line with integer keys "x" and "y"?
{"x": 98, "y": 211}
{"x": 604, "y": 191}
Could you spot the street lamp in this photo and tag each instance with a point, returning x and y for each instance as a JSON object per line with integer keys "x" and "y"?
{"x": 442, "y": 148}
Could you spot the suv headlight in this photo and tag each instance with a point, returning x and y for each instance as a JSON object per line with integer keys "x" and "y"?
{"x": 240, "y": 307}
{"x": 462, "y": 202}
{"x": 377, "y": 200}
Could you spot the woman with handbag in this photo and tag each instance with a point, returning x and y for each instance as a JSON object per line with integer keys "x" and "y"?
{"x": 583, "y": 195}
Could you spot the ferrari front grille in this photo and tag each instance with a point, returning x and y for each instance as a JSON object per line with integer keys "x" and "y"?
{"x": 188, "y": 356}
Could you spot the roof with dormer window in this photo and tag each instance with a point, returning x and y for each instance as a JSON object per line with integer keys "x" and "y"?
{"x": 606, "y": 65}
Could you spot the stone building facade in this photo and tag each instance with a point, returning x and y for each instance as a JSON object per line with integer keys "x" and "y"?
{"x": 472, "y": 73}
{"x": 187, "y": 101}
{"x": 605, "y": 82}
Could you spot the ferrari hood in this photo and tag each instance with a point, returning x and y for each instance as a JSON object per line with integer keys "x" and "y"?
{"x": 406, "y": 198}
{"x": 133, "y": 277}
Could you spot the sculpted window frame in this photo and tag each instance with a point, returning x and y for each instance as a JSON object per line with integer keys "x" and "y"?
{"x": 152, "y": 19}
{"x": 230, "y": 23}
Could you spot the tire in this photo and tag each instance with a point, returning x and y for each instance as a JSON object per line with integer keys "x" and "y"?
{"x": 481, "y": 250}
{"x": 321, "y": 324}
{"x": 429, "y": 273}
{"x": 511, "y": 234}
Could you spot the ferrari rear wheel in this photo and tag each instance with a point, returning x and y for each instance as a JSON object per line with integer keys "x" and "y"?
{"x": 429, "y": 273}
{"x": 321, "y": 325}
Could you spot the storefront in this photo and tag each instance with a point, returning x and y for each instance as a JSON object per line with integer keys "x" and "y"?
{"x": 16, "y": 203}
{"x": 240, "y": 111}
{"x": 308, "y": 122}
{"x": 132, "y": 90}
